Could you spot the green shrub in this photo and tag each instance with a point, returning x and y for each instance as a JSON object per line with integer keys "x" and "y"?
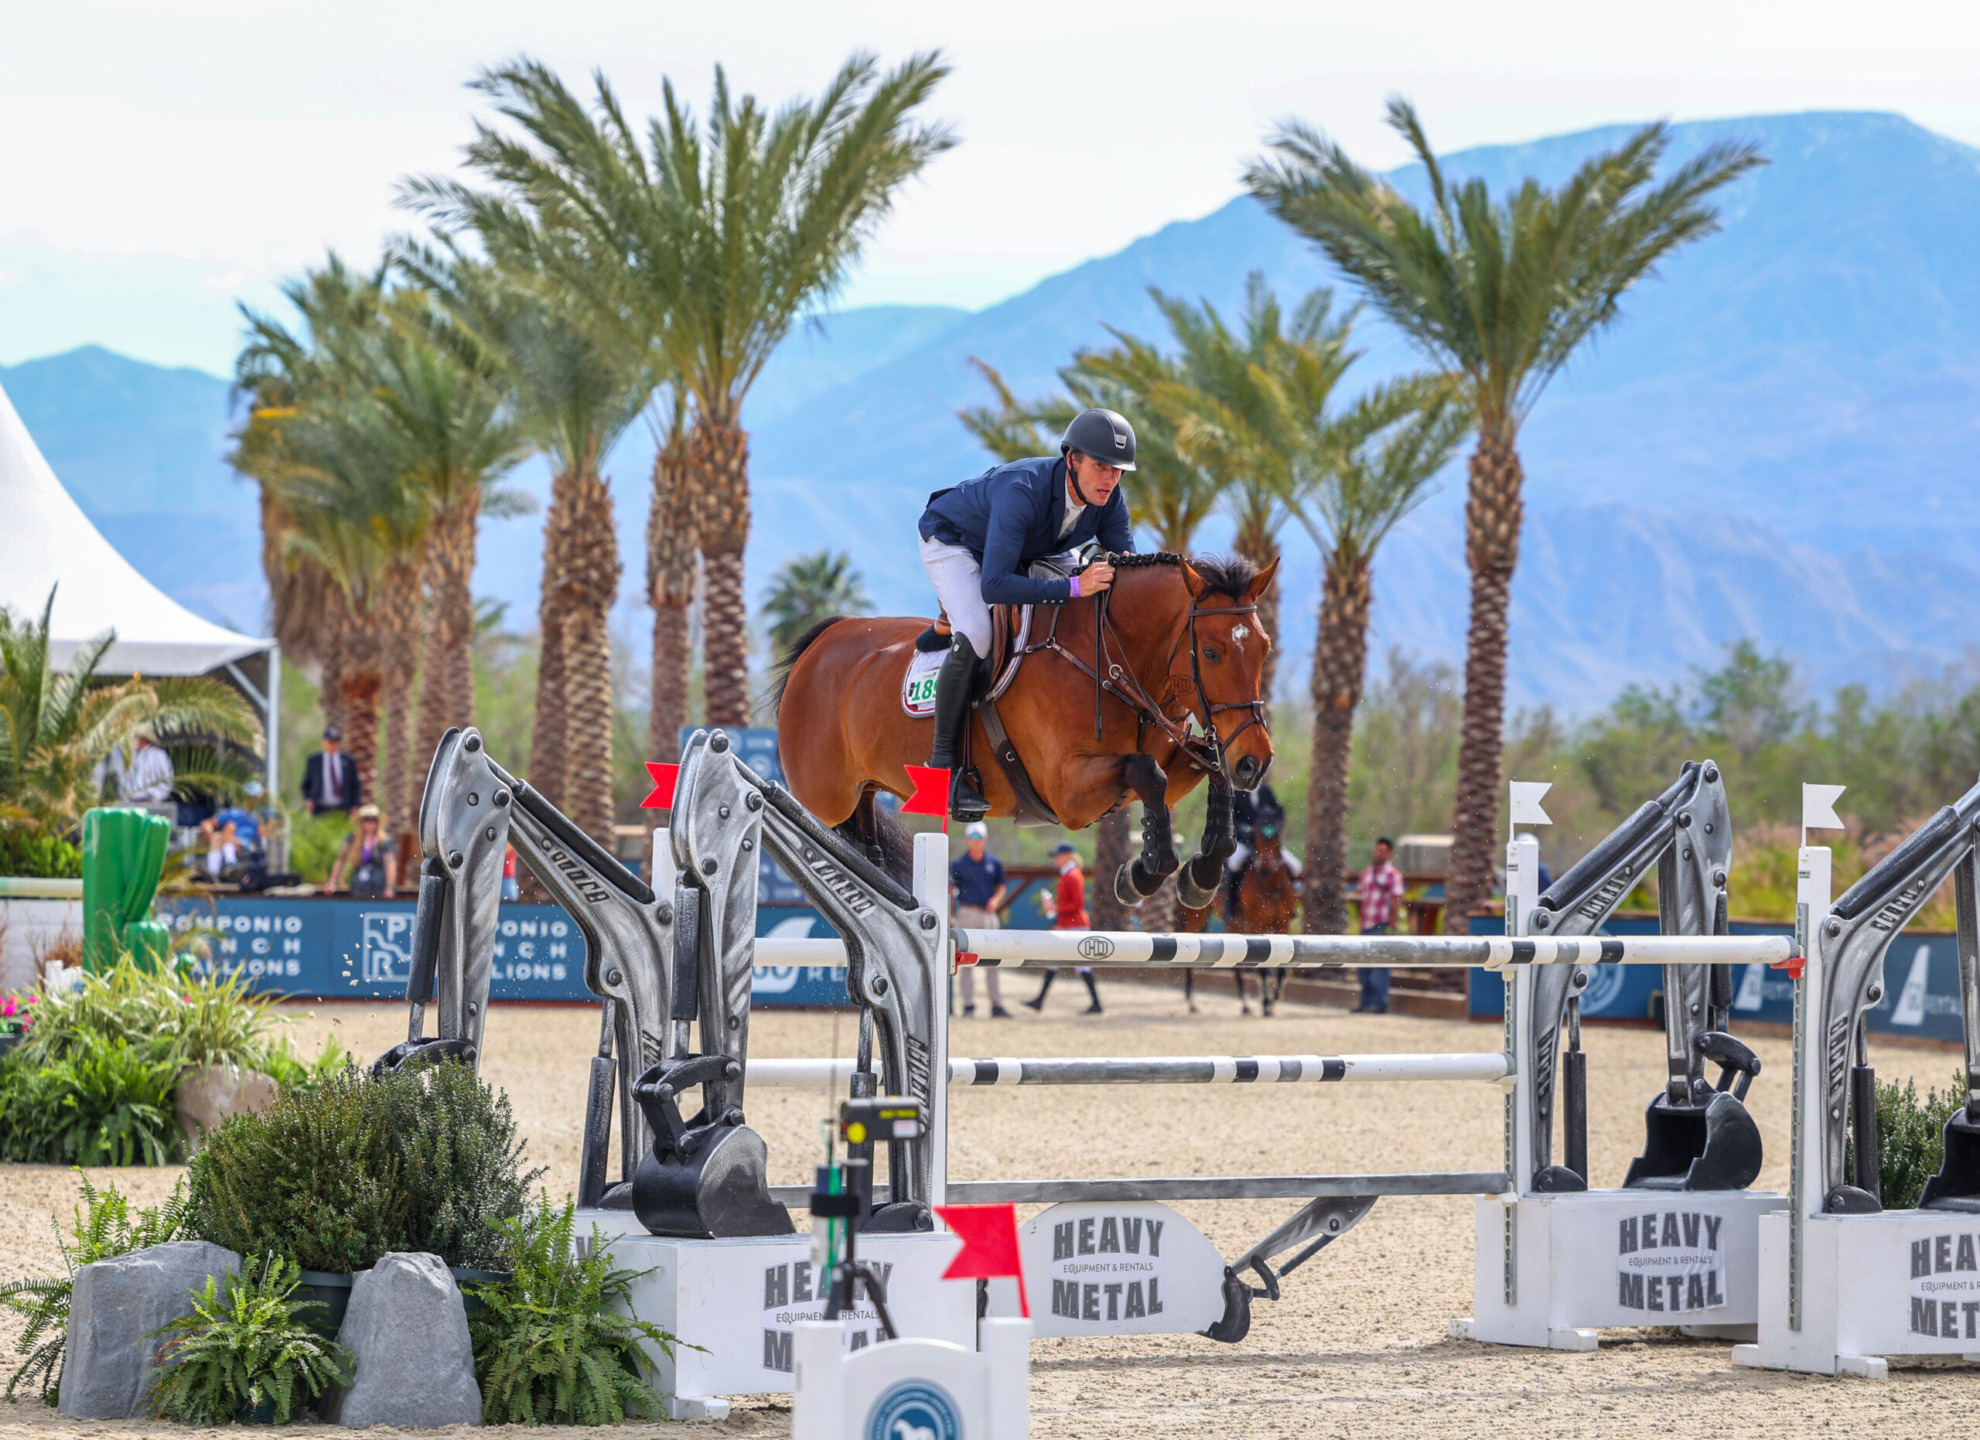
{"x": 103, "y": 1102}
{"x": 102, "y": 1227}
{"x": 38, "y": 854}
{"x": 246, "y": 1351}
{"x": 549, "y": 1346}
{"x": 337, "y": 1173}
{"x": 1911, "y": 1140}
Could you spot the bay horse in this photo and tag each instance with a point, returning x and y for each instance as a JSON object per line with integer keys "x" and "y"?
{"x": 1141, "y": 692}
{"x": 1266, "y": 903}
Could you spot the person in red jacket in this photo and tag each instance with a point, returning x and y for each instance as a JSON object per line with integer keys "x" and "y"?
{"x": 1067, "y": 910}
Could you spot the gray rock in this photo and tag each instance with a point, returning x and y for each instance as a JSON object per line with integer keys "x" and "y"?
{"x": 107, "y": 1364}
{"x": 408, "y": 1337}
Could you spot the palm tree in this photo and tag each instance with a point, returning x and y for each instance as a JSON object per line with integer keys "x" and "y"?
{"x": 276, "y": 368}
{"x": 1358, "y": 477}
{"x": 1502, "y": 293}
{"x": 809, "y": 588}
{"x": 573, "y": 387}
{"x": 709, "y": 242}
{"x": 1223, "y": 410}
{"x": 55, "y": 727}
{"x": 442, "y": 390}
{"x": 673, "y": 547}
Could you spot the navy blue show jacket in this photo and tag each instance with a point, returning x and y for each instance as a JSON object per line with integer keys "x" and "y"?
{"x": 1010, "y": 515}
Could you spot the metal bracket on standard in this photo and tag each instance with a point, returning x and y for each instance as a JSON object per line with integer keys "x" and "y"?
{"x": 1316, "y": 1225}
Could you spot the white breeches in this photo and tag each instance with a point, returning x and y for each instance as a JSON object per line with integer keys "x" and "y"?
{"x": 958, "y": 582}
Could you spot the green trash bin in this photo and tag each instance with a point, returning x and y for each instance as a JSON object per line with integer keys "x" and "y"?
{"x": 123, "y": 856}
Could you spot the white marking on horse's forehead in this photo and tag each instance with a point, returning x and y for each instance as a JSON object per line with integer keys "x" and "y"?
{"x": 1238, "y": 635}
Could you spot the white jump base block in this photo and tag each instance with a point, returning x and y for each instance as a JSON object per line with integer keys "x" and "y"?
{"x": 1604, "y": 1258}
{"x": 1903, "y": 1283}
{"x": 740, "y": 1299}
{"x": 910, "y": 1389}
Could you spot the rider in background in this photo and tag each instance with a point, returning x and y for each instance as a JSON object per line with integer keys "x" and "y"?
{"x": 979, "y": 539}
{"x": 1251, "y": 815}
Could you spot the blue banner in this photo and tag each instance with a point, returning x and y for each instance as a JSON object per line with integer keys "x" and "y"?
{"x": 1920, "y": 999}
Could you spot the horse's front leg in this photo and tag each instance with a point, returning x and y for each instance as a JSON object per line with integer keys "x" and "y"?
{"x": 1196, "y": 887}
{"x": 1158, "y": 860}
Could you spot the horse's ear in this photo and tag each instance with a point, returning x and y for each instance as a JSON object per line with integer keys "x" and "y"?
{"x": 1193, "y": 581}
{"x": 1260, "y": 582}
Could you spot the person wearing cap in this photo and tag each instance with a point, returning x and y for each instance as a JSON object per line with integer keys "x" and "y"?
{"x": 1067, "y": 911}
{"x": 976, "y": 880}
{"x": 979, "y": 540}
{"x": 330, "y": 778}
{"x": 375, "y": 872}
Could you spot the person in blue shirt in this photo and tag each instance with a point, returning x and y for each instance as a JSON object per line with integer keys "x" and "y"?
{"x": 980, "y": 538}
{"x": 976, "y": 880}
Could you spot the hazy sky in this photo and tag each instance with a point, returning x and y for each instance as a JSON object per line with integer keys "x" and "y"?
{"x": 161, "y": 158}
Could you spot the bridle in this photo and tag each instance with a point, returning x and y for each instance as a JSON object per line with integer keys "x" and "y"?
{"x": 1111, "y": 677}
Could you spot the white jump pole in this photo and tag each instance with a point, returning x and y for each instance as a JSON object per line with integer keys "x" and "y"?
{"x": 1043, "y": 949}
{"x": 1156, "y": 1070}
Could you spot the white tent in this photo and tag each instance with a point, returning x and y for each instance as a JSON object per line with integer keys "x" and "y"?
{"x": 46, "y": 542}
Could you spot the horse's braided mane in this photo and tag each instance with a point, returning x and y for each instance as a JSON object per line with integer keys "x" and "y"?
{"x": 1228, "y": 575}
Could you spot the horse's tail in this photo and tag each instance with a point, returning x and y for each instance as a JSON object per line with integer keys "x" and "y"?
{"x": 781, "y": 676}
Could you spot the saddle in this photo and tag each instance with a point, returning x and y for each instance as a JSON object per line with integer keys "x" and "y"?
{"x": 1010, "y": 638}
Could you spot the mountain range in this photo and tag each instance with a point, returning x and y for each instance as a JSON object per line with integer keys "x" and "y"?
{"x": 1776, "y": 441}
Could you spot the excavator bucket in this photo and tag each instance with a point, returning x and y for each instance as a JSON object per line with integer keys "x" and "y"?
{"x": 1957, "y": 1185}
{"x": 1714, "y": 1146}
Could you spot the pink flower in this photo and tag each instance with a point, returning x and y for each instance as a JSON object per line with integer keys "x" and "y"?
{"x": 9, "y": 1008}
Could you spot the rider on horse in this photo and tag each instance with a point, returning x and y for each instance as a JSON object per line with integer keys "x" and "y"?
{"x": 980, "y": 538}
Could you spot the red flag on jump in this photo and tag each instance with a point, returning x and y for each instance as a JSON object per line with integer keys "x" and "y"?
{"x": 990, "y": 1245}
{"x": 931, "y": 791}
{"x": 665, "y": 777}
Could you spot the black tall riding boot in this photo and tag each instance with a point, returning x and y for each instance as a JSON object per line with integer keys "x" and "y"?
{"x": 952, "y": 687}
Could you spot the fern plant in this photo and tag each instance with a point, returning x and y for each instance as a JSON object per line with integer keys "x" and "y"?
{"x": 549, "y": 1346}
{"x": 246, "y": 1351}
{"x": 103, "y": 1226}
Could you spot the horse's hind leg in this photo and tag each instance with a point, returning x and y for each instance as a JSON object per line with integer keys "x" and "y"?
{"x": 1158, "y": 859}
{"x": 1244, "y": 995}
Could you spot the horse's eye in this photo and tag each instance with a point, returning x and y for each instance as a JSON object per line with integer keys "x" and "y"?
{"x": 1212, "y": 654}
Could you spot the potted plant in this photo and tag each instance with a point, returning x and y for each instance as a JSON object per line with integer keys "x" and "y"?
{"x": 249, "y": 1351}
{"x": 337, "y": 1173}
{"x": 555, "y": 1342}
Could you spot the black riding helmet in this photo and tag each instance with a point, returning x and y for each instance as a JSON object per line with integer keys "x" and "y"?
{"x": 1105, "y": 435}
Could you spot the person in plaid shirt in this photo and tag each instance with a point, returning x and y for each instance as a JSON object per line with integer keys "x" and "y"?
{"x": 1380, "y": 892}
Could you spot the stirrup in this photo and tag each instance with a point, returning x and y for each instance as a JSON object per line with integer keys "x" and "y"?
{"x": 966, "y": 802}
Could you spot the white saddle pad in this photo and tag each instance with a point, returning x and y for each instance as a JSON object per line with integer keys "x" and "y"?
{"x": 918, "y": 685}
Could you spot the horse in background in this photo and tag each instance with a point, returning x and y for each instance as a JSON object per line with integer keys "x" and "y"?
{"x": 1265, "y": 902}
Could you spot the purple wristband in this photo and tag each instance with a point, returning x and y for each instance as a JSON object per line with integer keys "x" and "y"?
{"x": 1073, "y": 580}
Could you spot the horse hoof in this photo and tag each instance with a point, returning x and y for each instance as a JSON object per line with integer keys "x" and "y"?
{"x": 1124, "y": 888}
{"x": 1193, "y": 896}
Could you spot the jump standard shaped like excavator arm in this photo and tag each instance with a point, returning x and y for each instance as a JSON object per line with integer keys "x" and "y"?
{"x": 896, "y": 957}
{"x": 634, "y": 953}
{"x": 1699, "y": 1137}
{"x": 1855, "y": 937}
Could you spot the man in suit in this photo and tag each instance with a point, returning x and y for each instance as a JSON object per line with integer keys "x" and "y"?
{"x": 330, "y": 778}
{"x": 979, "y": 538}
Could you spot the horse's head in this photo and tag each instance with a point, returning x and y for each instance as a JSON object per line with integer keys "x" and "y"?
{"x": 1231, "y": 647}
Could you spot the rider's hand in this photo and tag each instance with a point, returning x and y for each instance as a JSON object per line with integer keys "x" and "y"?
{"x": 1096, "y": 577}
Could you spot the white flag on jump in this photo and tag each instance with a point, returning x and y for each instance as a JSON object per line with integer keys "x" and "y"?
{"x": 1818, "y": 807}
{"x": 1526, "y": 797}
